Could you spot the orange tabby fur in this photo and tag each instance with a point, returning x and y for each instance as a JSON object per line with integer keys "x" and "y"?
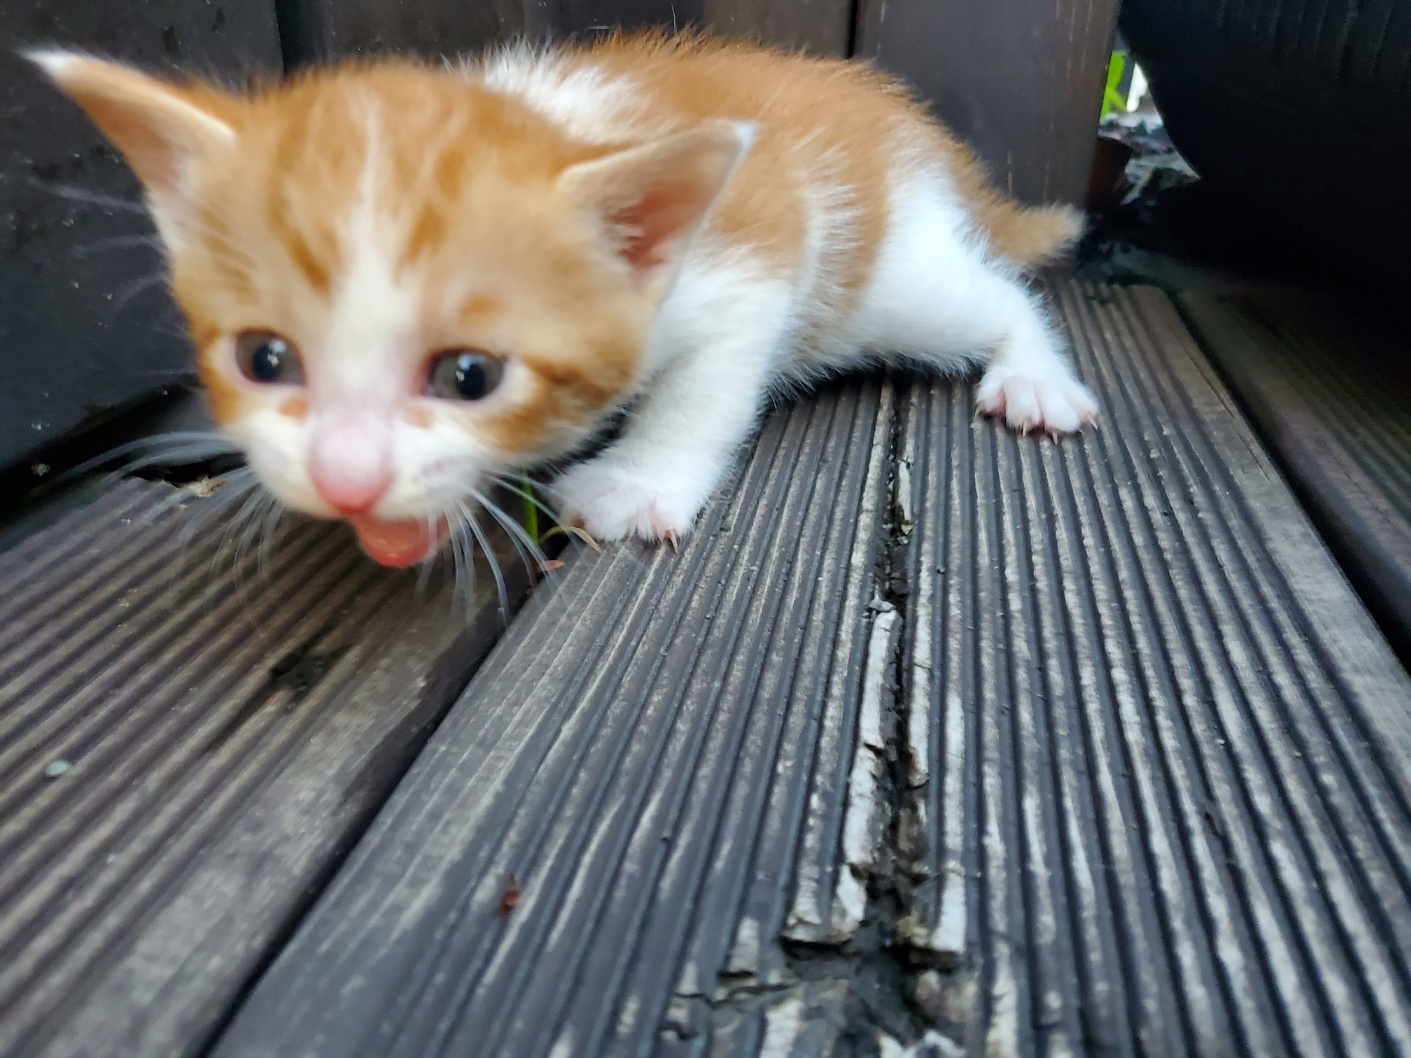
{"x": 702, "y": 77}
{"x": 540, "y": 207}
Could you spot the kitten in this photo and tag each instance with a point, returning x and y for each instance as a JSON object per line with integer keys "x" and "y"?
{"x": 403, "y": 280}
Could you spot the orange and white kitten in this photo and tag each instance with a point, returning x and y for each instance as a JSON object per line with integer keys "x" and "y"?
{"x": 403, "y": 279}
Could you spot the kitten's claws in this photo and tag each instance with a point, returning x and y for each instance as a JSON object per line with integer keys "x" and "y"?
{"x": 671, "y": 538}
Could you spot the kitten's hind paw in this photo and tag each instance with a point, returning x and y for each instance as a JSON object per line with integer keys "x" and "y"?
{"x": 614, "y": 503}
{"x": 1050, "y": 399}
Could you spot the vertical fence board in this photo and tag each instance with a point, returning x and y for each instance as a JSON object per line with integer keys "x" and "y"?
{"x": 1019, "y": 80}
{"x": 325, "y": 29}
{"x": 820, "y": 26}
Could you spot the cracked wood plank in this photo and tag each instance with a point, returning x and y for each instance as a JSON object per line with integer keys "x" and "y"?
{"x": 1149, "y": 790}
{"x": 643, "y": 752}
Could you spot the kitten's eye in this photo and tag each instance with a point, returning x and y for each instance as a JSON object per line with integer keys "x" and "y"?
{"x": 464, "y": 374}
{"x": 265, "y": 357}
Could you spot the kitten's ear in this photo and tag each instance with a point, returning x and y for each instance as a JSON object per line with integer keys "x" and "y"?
{"x": 159, "y": 128}
{"x": 651, "y": 199}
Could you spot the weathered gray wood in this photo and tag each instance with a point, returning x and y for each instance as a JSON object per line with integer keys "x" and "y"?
{"x": 1020, "y": 81}
{"x": 79, "y": 332}
{"x": 640, "y": 759}
{"x": 1328, "y": 383}
{"x": 1161, "y": 757}
{"x": 1095, "y": 732}
{"x": 227, "y": 717}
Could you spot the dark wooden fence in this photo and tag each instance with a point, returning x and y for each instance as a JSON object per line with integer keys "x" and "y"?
{"x": 85, "y": 326}
{"x": 82, "y": 332}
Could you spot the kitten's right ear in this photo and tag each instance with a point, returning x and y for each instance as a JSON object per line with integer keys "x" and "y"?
{"x": 651, "y": 199}
{"x": 159, "y": 128}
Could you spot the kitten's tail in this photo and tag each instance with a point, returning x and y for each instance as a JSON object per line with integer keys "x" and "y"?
{"x": 1032, "y": 236}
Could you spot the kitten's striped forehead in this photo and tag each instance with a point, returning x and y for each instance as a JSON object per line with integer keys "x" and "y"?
{"x": 344, "y": 175}
{"x": 380, "y": 161}
{"x": 382, "y": 214}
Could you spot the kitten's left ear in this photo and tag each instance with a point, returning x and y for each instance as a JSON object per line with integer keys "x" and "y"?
{"x": 651, "y": 199}
{"x": 160, "y": 128}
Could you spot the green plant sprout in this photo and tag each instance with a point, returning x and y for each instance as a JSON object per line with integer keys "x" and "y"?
{"x": 1112, "y": 101}
{"x": 531, "y": 511}
{"x": 525, "y": 492}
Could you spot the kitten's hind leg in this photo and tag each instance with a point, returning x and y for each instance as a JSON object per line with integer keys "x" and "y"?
{"x": 939, "y": 298}
{"x": 1029, "y": 382}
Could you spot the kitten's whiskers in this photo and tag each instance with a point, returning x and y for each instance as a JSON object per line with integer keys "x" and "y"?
{"x": 118, "y": 242}
{"x": 269, "y": 533}
{"x": 524, "y": 546}
{"x": 92, "y": 198}
{"x": 517, "y": 486}
{"x": 178, "y": 448}
{"x": 462, "y": 561}
{"x": 480, "y": 538}
{"x": 128, "y": 291}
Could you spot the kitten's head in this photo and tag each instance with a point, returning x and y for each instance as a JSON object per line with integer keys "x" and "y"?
{"x": 398, "y": 281}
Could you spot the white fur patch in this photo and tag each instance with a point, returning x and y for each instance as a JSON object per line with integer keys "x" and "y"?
{"x": 717, "y": 341}
{"x": 583, "y": 100}
{"x": 373, "y": 314}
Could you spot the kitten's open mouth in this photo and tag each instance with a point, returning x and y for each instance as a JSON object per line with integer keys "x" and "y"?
{"x": 399, "y": 543}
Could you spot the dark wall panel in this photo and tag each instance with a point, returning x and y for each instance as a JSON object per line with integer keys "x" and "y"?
{"x": 1299, "y": 113}
{"x": 79, "y": 332}
{"x": 1021, "y": 80}
{"x": 820, "y": 26}
{"x": 322, "y": 29}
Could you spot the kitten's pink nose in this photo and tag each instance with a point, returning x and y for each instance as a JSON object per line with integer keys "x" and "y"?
{"x": 350, "y": 467}
{"x": 352, "y": 495}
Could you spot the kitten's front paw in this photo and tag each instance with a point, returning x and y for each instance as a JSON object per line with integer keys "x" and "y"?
{"x": 612, "y": 502}
{"x": 1048, "y": 399}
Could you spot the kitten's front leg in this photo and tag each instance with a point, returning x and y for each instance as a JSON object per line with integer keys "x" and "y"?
{"x": 655, "y": 480}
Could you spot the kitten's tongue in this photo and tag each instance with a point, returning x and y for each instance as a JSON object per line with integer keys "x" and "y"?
{"x": 398, "y": 543}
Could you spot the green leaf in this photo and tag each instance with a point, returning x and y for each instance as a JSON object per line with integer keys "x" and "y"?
{"x": 531, "y": 511}
{"x": 1112, "y": 101}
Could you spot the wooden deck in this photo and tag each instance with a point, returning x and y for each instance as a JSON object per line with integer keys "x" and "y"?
{"x": 931, "y": 740}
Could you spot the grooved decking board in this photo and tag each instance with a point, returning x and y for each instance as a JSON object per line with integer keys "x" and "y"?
{"x": 1329, "y": 388}
{"x": 1159, "y": 755}
{"x": 662, "y": 744}
{"x": 1063, "y": 749}
{"x": 208, "y": 796}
